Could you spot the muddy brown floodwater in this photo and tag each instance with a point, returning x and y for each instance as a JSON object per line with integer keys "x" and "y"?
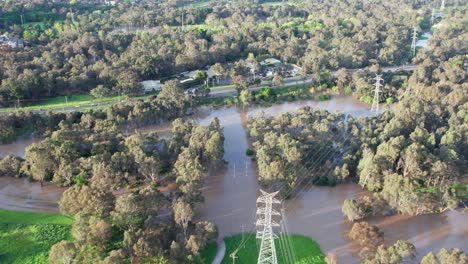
{"x": 18, "y": 147}
{"x": 230, "y": 193}
{"x": 23, "y": 195}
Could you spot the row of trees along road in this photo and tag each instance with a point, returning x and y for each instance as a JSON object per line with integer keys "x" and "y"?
{"x": 170, "y": 103}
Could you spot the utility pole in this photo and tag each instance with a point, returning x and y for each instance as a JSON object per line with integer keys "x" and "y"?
{"x": 433, "y": 16}
{"x": 378, "y": 83}
{"x": 182, "y": 14}
{"x": 234, "y": 175}
{"x": 413, "y": 43}
{"x": 265, "y": 211}
{"x": 233, "y": 255}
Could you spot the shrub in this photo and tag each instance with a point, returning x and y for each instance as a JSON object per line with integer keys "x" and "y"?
{"x": 10, "y": 166}
{"x": 249, "y": 152}
{"x": 390, "y": 100}
{"x": 348, "y": 90}
{"x": 366, "y": 99}
{"x": 323, "y": 97}
{"x": 50, "y": 233}
{"x": 335, "y": 89}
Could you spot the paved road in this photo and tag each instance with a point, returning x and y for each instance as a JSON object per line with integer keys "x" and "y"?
{"x": 220, "y": 253}
{"x": 293, "y": 81}
{"x": 223, "y": 92}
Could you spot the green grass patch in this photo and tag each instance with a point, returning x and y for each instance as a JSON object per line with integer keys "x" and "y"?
{"x": 289, "y": 2}
{"x": 305, "y": 249}
{"x": 196, "y": 4}
{"x": 27, "y": 237}
{"x": 229, "y": 86}
{"x": 14, "y": 217}
{"x": 71, "y": 101}
{"x": 208, "y": 254}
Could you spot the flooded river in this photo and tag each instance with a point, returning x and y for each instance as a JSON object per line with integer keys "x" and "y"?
{"x": 230, "y": 193}
{"x": 23, "y": 195}
{"x": 18, "y": 147}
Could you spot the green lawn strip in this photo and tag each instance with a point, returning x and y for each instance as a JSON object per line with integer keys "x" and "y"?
{"x": 27, "y": 237}
{"x": 14, "y": 217}
{"x": 72, "y": 101}
{"x": 305, "y": 249}
{"x": 293, "y": 3}
{"x": 200, "y": 4}
{"x": 229, "y": 86}
{"x": 209, "y": 252}
{"x": 196, "y": 4}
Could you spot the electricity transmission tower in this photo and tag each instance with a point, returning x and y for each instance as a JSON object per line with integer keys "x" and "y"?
{"x": 442, "y": 5}
{"x": 413, "y": 43}
{"x": 265, "y": 211}
{"x": 378, "y": 84}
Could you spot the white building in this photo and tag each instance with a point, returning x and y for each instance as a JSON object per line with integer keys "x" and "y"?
{"x": 11, "y": 42}
{"x": 152, "y": 85}
{"x": 270, "y": 61}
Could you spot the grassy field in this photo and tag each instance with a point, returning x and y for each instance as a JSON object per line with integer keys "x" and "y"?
{"x": 306, "y": 251}
{"x": 69, "y": 101}
{"x": 197, "y": 3}
{"x": 209, "y": 253}
{"x": 289, "y": 2}
{"x": 27, "y": 237}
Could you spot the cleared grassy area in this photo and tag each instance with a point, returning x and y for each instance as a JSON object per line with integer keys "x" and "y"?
{"x": 70, "y": 101}
{"x": 289, "y": 2}
{"x": 27, "y": 237}
{"x": 196, "y": 3}
{"x": 229, "y": 86}
{"x": 15, "y": 217}
{"x": 305, "y": 249}
{"x": 200, "y": 4}
{"x": 209, "y": 253}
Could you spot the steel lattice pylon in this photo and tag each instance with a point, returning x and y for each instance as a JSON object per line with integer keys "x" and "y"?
{"x": 413, "y": 42}
{"x": 375, "y": 103}
{"x": 265, "y": 211}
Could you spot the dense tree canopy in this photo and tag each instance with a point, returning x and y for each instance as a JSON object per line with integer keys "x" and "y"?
{"x": 76, "y": 50}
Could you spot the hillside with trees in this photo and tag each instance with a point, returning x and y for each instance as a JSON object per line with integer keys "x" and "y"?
{"x": 121, "y": 45}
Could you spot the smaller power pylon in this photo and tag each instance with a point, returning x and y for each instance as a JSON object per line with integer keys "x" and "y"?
{"x": 378, "y": 84}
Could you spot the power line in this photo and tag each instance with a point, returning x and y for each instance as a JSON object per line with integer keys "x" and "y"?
{"x": 311, "y": 156}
